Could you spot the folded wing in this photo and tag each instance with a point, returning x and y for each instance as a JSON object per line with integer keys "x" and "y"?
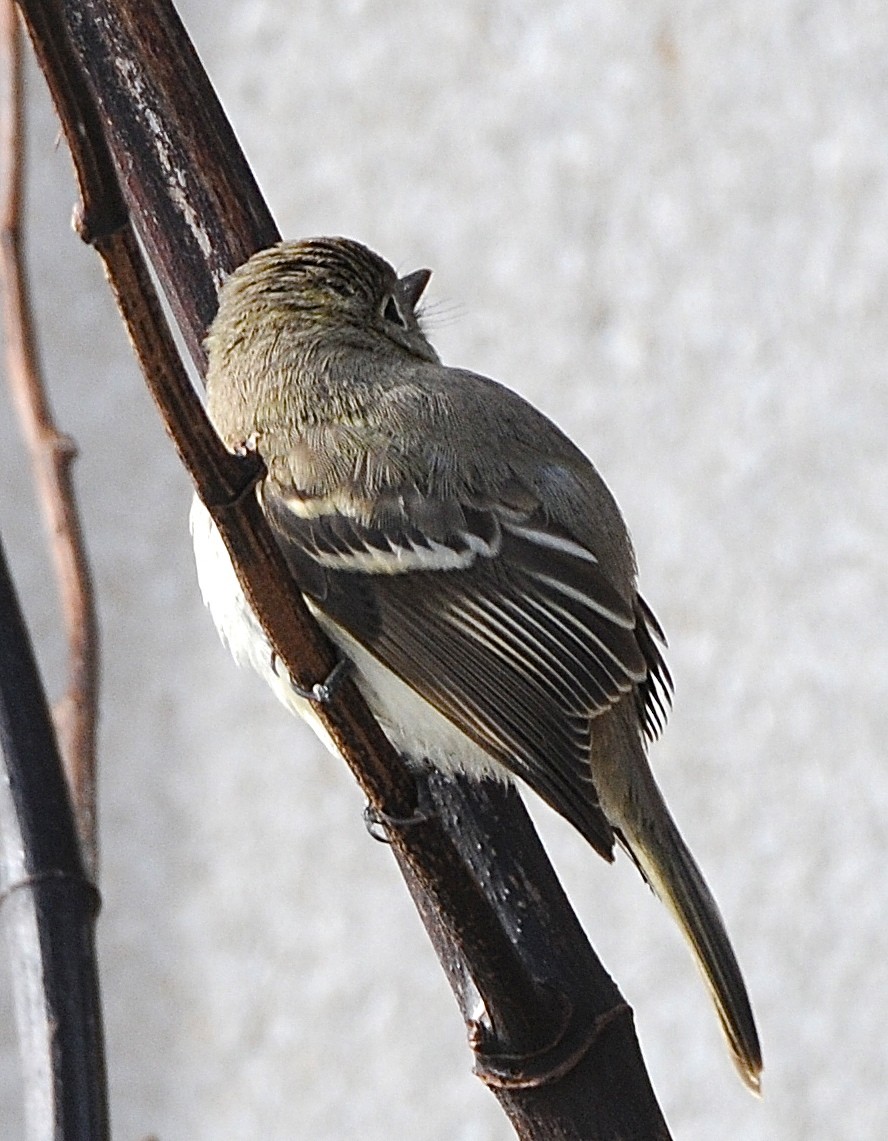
{"x": 502, "y": 622}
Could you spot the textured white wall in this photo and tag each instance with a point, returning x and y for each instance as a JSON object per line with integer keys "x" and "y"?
{"x": 669, "y": 228}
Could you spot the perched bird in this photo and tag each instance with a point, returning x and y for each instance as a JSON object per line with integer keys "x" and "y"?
{"x": 462, "y": 553}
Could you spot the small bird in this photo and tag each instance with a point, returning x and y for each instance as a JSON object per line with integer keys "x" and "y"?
{"x": 462, "y": 554}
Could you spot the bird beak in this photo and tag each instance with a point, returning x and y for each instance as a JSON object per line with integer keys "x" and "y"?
{"x": 413, "y": 285}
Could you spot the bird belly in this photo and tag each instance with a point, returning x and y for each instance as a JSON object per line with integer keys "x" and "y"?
{"x": 415, "y": 728}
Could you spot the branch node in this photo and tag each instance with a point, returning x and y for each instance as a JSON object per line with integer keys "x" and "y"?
{"x": 577, "y": 1033}
{"x": 54, "y": 876}
{"x": 64, "y": 446}
{"x": 96, "y": 223}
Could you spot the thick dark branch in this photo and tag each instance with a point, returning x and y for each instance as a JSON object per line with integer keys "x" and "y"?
{"x": 187, "y": 185}
{"x": 52, "y": 454}
{"x": 49, "y": 907}
{"x": 553, "y": 1017}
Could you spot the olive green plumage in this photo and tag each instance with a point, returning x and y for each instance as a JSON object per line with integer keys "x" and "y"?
{"x": 463, "y": 552}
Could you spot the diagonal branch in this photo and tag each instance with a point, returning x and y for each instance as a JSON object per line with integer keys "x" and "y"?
{"x": 556, "y": 1043}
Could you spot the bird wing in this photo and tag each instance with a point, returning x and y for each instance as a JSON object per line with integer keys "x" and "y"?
{"x": 504, "y": 623}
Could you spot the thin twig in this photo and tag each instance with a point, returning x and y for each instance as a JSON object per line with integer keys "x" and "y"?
{"x": 52, "y": 455}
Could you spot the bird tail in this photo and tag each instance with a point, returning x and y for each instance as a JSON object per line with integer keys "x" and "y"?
{"x": 665, "y": 862}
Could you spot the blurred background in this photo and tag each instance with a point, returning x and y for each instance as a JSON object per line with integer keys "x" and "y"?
{"x": 667, "y": 226}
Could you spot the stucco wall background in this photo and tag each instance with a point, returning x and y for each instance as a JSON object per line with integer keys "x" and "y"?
{"x": 668, "y": 227}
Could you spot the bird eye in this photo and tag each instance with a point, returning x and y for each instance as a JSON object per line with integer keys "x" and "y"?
{"x": 392, "y": 313}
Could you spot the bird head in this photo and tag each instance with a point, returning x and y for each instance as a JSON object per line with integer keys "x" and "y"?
{"x": 328, "y": 284}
